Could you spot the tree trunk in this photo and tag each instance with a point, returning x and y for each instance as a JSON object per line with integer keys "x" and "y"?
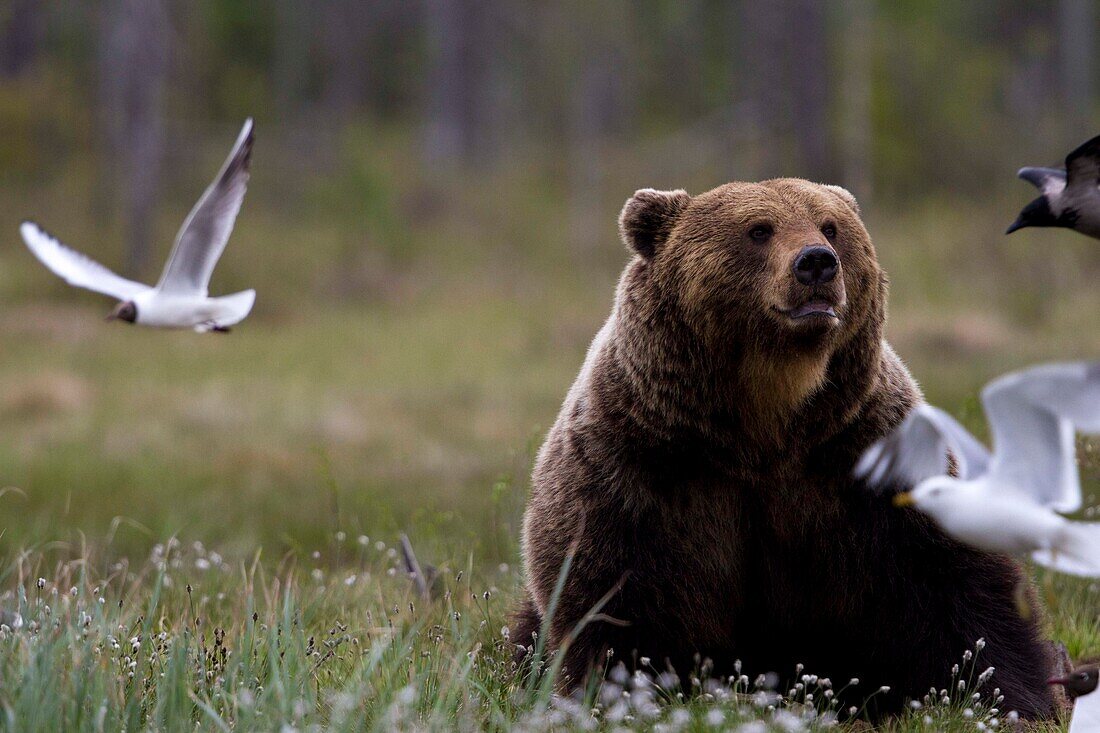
{"x": 451, "y": 80}
{"x": 767, "y": 111}
{"x": 808, "y": 81}
{"x": 855, "y": 134}
{"x": 20, "y": 29}
{"x": 294, "y": 21}
{"x": 595, "y": 113}
{"x": 133, "y": 68}
{"x": 1077, "y": 46}
{"x": 346, "y": 26}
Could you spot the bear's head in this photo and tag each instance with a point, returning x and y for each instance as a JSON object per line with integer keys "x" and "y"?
{"x": 778, "y": 276}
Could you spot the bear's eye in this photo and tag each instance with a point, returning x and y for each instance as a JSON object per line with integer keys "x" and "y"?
{"x": 829, "y": 231}
{"x": 760, "y": 233}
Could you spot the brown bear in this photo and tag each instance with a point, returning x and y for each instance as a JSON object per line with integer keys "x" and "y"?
{"x": 700, "y": 470}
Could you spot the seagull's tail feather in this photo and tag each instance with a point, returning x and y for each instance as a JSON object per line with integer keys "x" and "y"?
{"x": 1079, "y": 551}
{"x": 233, "y": 309}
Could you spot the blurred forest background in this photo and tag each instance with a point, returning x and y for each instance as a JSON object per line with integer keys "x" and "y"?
{"x": 431, "y": 230}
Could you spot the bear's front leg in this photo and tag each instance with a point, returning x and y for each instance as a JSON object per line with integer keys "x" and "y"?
{"x": 593, "y": 622}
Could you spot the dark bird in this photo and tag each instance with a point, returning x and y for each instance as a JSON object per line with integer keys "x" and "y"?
{"x": 1080, "y": 686}
{"x": 1071, "y": 195}
{"x": 1080, "y": 681}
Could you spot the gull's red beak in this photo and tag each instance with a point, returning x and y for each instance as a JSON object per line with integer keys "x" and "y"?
{"x": 1057, "y": 681}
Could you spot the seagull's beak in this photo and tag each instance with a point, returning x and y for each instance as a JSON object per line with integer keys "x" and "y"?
{"x": 1057, "y": 681}
{"x": 112, "y": 316}
{"x": 904, "y": 499}
{"x": 1018, "y": 224}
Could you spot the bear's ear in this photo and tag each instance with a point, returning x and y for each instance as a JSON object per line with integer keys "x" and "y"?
{"x": 846, "y": 196}
{"x": 648, "y": 217}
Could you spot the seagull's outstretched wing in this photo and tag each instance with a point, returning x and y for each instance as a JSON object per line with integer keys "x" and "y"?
{"x": 1032, "y": 416}
{"x": 1051, "y": 181}
{"x": 202, "y": 238}
{"x": 918, "y": 449}
{"x": 1063, "y": 563}
{"x": 76, "y": 269}
{"x": 1083, "y": 164}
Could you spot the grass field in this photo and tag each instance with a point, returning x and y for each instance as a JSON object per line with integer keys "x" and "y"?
{"x": 215, "y": 518}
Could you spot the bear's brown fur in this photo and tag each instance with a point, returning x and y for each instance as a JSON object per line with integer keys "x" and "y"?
{"x": 701, "y": 470}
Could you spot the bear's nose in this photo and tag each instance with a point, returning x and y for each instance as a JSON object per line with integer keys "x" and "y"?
{"x": 815, "y": 265}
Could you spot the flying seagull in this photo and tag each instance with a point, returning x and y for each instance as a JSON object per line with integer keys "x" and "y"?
{"x": 1080, "y": 686}
{"x": 1070, "y": 196}
{"x": 180, "y": 299}
{"x": 1009, "y": 501}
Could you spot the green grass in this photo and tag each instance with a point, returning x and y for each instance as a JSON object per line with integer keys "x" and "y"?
{"x": 337, "y": 639}
{"x": 411, "y": 343}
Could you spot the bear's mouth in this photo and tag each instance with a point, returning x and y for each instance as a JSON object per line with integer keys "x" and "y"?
{"x": 816, "y": 308}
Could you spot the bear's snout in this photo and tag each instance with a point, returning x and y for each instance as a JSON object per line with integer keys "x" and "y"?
{"x": 815, "y": 265}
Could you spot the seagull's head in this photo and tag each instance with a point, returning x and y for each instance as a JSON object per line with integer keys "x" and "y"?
{"x": 1080, "y": 681}
{"x": 931, "y": 495}
{"x": 124, "y": 311}
{"x": 1035, "y": 214}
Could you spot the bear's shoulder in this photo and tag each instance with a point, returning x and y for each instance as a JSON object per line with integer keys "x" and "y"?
{"x": 898, "y": 392}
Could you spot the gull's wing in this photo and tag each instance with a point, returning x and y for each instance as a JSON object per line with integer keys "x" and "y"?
{"x": 919, "y": 449}
{"x": 1063, "y": 563}
{"x": 1083, "y": 164}
{"x": 1050, "y": 181}
{"x": 201, "y": 239}
{"x": 76, "y": 269}
{"x": 1032, "y": 416}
